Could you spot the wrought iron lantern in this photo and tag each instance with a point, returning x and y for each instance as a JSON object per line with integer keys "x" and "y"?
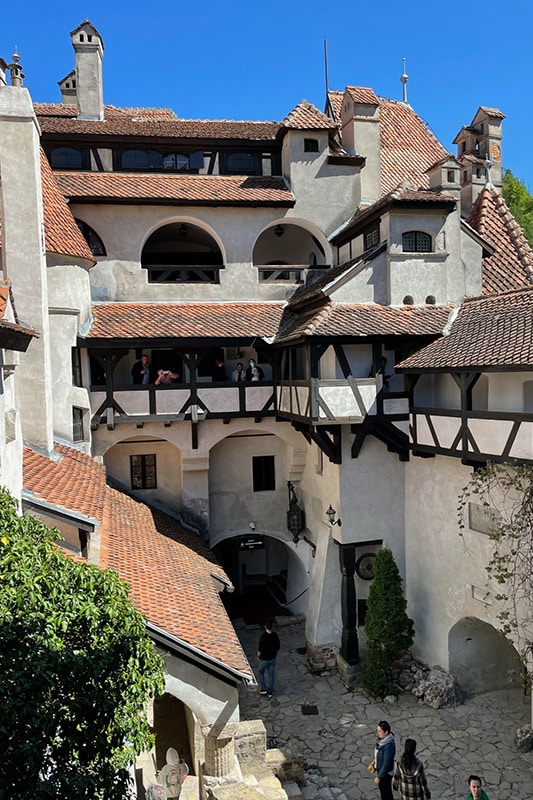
{"x": 295, "y": 515}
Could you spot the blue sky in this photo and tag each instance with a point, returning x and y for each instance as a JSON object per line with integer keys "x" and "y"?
{"x": 255, "y": 60}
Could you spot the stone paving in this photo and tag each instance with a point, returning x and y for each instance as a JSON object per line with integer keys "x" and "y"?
{"x": 337, "y": 743}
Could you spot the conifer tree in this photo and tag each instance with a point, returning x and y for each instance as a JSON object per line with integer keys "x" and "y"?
{"x": 389, "y": 630}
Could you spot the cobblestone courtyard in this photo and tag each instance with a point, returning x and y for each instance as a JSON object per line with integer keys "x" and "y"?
{"x": 337, "y": 742}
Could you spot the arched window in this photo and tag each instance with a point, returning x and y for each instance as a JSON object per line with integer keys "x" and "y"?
{"x": 182, "y": 253}
{"x": 96, "y": 245}
{"x": 69, "y": 158}
{"x": 416, "y": 242}
{"x": 141, "y": 159}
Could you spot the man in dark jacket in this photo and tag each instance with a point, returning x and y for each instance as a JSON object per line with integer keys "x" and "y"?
{"x": 140, "y": 372}
{"x": 267, "y": 651}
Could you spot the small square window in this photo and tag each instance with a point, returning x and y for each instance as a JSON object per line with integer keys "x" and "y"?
{"x": 77, "y": 425}
{"x": 311, "y": 145}
{"x": 143, "y": 471}
{"x": 263, "y": 474}
{"x": 451, "y": 176}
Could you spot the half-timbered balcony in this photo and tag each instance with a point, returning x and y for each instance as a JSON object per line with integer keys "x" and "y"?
{"x": 140, "y": 404}
{"x": 326, "y": 402}
{"x": 474, "y": 436}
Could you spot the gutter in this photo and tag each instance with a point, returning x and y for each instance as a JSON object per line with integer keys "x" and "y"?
{"x": 181, "y": 647}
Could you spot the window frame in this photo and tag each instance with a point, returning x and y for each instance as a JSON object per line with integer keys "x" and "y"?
{"x": 420, "y": 237}
{"x": 145, "y": 467}
{"x": 78, "y": 431}
{"x": 264, "y": 473}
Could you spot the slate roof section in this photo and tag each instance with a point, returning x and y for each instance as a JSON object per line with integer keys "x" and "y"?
{"x": 169, "y": 569}
{"x": 173, "y": 189}
{"x": 511, "y": 266}
{"x": 74, "y": 481}
{"x": 358, "y": 321}
{"x": 62, "y": 234}
{"x": 305, "y": 116}
{"x": 493, "y": 333}
{"x": 58, "y": 118}
{"x": 184, "y": 320}
{"x": 170, "y": 573}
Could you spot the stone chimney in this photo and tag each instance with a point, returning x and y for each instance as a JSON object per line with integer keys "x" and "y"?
{"x": 68, "y": 88}
{"x": 360, "y": 136}
{"x": 89, "y": 49}
{"x": 479, "y": 154}
{"x": 445, "y": 176}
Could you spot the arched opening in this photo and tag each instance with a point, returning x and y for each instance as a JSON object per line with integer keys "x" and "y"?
{"x": 248, "y": 503}
{"x": 286, "y": 251}
{"x": 182, "y": 253}
{"x": 480, "y": 657}
{"x": 95, "y": 243}
{"x": 149, "y": 467}
{"x": 174, "y": 727}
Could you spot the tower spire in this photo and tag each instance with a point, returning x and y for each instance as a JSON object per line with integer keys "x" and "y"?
{"x": 404, "y": 77}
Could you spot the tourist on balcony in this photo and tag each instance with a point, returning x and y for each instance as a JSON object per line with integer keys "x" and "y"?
{"x": 140, "y": 372}
{"x": 253, "y": 372}
{"x": 165, "y": 376}
{"x": 238, "y": 373}
{"x": 219, "y": 371}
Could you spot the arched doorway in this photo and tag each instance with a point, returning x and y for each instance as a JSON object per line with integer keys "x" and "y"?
{"x": 270, "y": 579}
{"x": 480, "y": 657}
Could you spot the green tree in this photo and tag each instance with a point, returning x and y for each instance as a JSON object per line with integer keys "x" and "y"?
{"x": 520, "y": 202}
{"x": 76, "y": 667}
{"x": 389, "y": 631}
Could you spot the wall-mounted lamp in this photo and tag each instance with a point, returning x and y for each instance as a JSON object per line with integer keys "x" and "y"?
{"x": 183, "y": 230}
{"x": 279, "y": 230}
{"x": 252, "y": 526}
{"x": 331, "y": 514}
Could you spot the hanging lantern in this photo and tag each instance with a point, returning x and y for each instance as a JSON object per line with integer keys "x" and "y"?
{"x": 295, "y": 515}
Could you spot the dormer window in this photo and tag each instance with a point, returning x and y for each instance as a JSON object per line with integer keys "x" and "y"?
{"x": 371, "y": 236}
{"x": 416, "y": 242}
{"x": 311, "y": 145}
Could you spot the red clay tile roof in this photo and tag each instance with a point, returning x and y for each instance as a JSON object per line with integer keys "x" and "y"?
{"x": 511, "y": 266}
{"x": 408, "y": 147}
{"x": 184, "y": 320}
{"x": 492, "y": 112}
{"x": 170, "y": 573}
{"x": 62, "y": 235}
{"x": 494, "y": 332}
{"x": 306, "y": 116}
{"x": 58, "y": 118}
{"x": 175, "y": 189}
{"x": 335, "y": 100}
{"x": 74, "y": 482}
{"x": 366, "y": 320}
{"x": 168, "y": 568}
{"x": 362, "y": 95}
